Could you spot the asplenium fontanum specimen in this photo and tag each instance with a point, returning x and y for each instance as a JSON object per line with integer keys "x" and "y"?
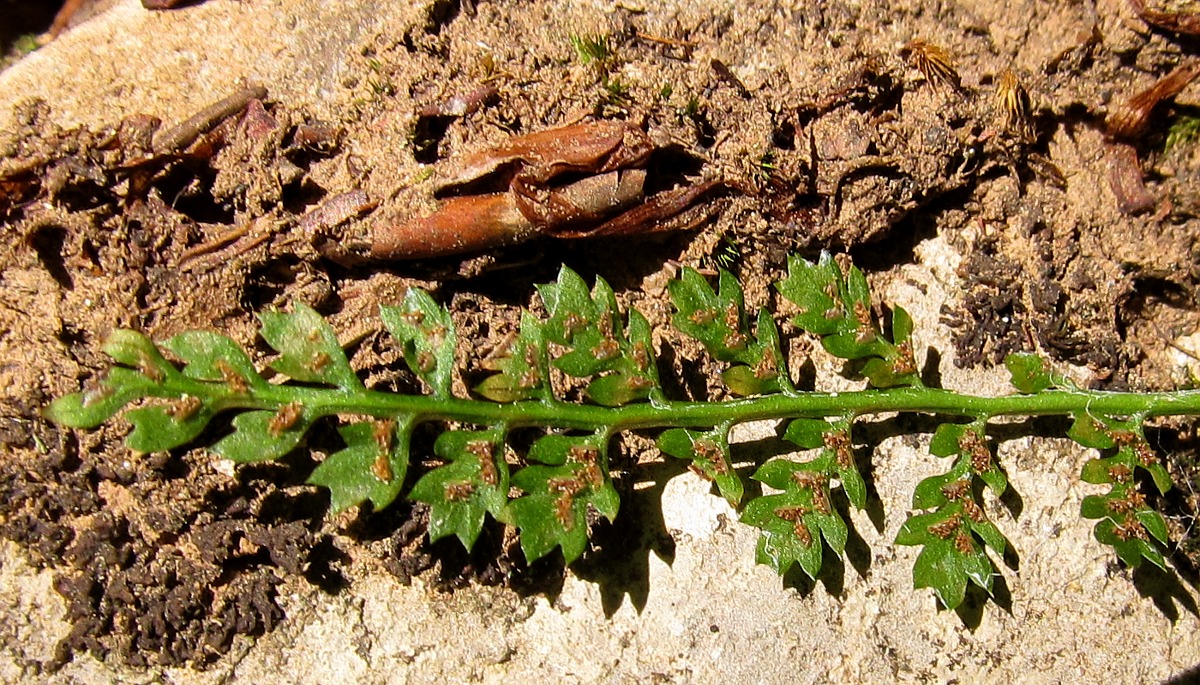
{"x": 547, "y": 491}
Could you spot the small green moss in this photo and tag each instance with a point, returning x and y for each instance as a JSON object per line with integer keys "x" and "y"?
{"x": 1184, "y": 131}
{"x": 766, "y": 165}
{"x": 728, "y": 252}
{"x": 617, "y": 91}
{"x": 592, "y": 49}
{"x": 23, "y": 45}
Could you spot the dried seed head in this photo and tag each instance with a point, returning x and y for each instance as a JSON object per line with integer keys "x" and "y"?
{"x": 933, "y": 62}
{"x": 703, "y": 317}
{"x": 1014, "y": 101}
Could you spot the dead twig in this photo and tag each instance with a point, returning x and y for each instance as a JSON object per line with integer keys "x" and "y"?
{"x": 462, "y": 105}
{"x": 673, "y": 42}
{"x": 63, "y": 17}
{"x": 569, "y": 182}
{"x": 177, "y": 138}
{"x": 215, "y": 244}
{"x": 225, "y": 247}
{"x": 1183, "y": 23}
{"x": 337, "y": 210}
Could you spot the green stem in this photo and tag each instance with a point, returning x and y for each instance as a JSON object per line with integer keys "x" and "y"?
{"x": 671, "y": 414}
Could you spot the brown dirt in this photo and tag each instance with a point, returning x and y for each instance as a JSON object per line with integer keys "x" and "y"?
{"x": 841, "y": 142}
